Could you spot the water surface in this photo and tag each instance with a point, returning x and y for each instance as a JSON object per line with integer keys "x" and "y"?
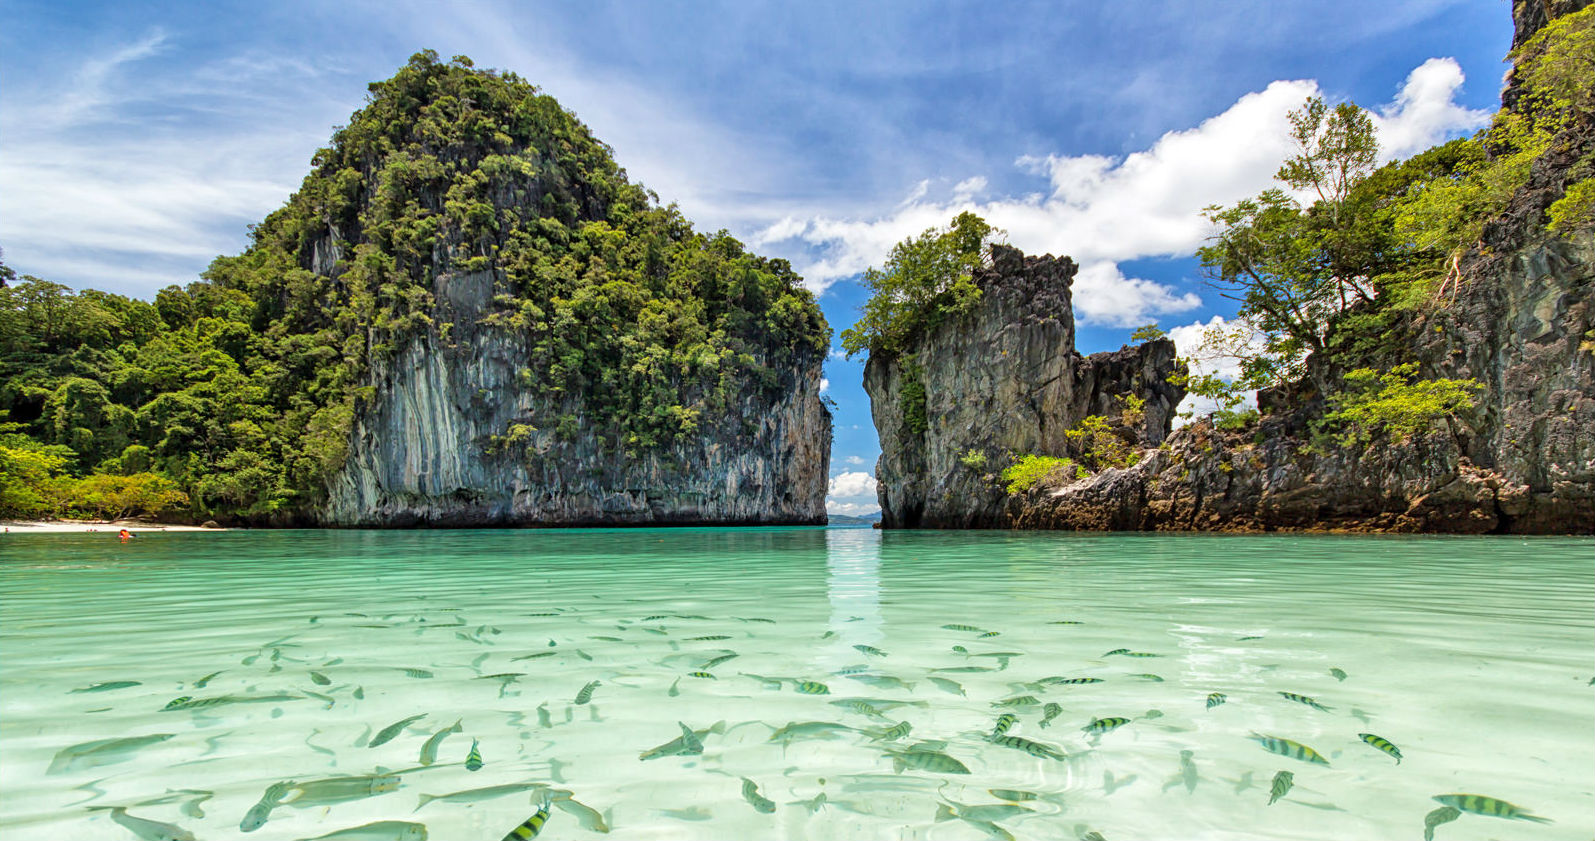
{"x": 1473, "y": 656}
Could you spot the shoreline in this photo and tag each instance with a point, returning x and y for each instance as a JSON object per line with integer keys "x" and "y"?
{"x": 90, "y": 526}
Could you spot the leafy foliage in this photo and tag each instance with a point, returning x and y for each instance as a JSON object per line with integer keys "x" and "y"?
{"x": 973, "y": 459}
{"x": 1028, "y": 471}
{"x": 1147, "y": 333}
{"x": 926, "y": 279}
{"x": 242, "y": 388}
{"x": 912, "y": 393}
{"x": 1394, "y": 403}
{"x": 1104, "y": 443}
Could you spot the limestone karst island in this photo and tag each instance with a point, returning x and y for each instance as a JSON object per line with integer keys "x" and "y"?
{"x": 757, "y": 421}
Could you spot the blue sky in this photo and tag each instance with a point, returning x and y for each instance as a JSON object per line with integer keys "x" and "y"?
{"x": 138, "y": 139}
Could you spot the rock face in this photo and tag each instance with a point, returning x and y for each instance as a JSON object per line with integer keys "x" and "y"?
{"x": 428, "y": 449}
{"x": 1522, "y": 323}
{"x": 1004, "y": 380}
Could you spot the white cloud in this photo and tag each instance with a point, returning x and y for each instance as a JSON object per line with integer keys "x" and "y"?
{"x": 1104, "y": 210}
{"x": 824, "y": 384}
{"x": 1189, "y": 342}
{"x": 968, "y": 188}
{"x": 851, "y": 509}
{"x": 851, "y": 484}
{"x": 855, "y": 461}
{"x": 1425, "y": 111}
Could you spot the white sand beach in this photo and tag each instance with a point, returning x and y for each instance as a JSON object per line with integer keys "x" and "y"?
{"x": 84, "y": 526}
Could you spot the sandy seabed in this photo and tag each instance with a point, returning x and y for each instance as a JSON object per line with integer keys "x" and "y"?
{"x": 85, "y": 526}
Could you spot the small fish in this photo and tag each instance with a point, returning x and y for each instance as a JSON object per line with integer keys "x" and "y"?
{"x": 111, "y": 685}
{"x": 1479, "y": 804}
{"x": 891, "y": 734}
{"x": 1444, "y": 814}
{"x": 1049, "y": 712}
{"x": 1065, "y": 622}
{"x": 320, "y": 679}
{"x": 606, "y": 639}
{"x": 102, "y": 752}
{"x": 336, "y": 790}
{"x": 359, "y": 693}
{"x": 429, "y": 751}
{"x": 1069, "y": 681}
{"x": 969, "y": 628}
{"x": 1381, "y": 744}
{"x": 147, "y": 829}
{"x": 1244, "y": 639}
{"x": 870, "y": 650}
{"x": 809, "y": 730}
{"x": 655, "y": 618}
{"x": 965, "y": 669}
{"x": 1035, "y": 749}
{"x": 769, "y": 682}
{"x": 1303, "y": 699}
{"x": 990, "y": 634}
{"x": 690, "y": 743}
{"x": 529, "y": 828}
{"x": 946, "y": 685}
{"x": 1153, "y": 678}
{"x": 1140, "y": 654}
{"x": 1216, "y": 698}
{"x": 750, "y": 793}
{"x": 859, "y": 706}
{"x": 1013, "y": 794}
{"x": 709, "y": 638}
{"x": 926, "y": 760}
{"x": 760, "y": 619}
{"x": 709, "y": 664}
{"x": 388, "y": 733}
{"x": 256, "y": 817}
{"x": 587, "y": 816}
{"x": 543, "y": 719}
{"x": 328, "y": 699}
{"x": 418, "y": 674}
{"x": 1150, "y": 714}
{"x": 201, "y": 683}
{"x": 477, "y": 795}
{"x": 810, "y": 687}
{"x": 827, "y": 635}
{"x": 1338, "y": 673}
{"x": 586, "y": 693}
{"x": 703, "y": 675}
{"x": 960, "y": 649}
{"x": 1098, "y": 726}
{"x": 534, "y": 655}
{"x": 1286, "y": 747}
{"x": 473, "y": 760}
{"x": 674, "y": 689}
{"x": 1117, "y": 651}
{"x": 1005, "y": 722}
{"x": 883, "y": 682}
{"x": 1281, "y": 787}
{"x": 1018, "y": 701}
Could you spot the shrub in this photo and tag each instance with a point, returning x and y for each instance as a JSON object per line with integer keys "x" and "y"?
{"x": 1031, "y": 470}
{"x": 973, "y": 459}
{"x": 1394, "y": 403}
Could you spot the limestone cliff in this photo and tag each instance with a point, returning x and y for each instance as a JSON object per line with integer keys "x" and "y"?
{"x": 1001, "y": 381}
{"x": 1523, "y": 461}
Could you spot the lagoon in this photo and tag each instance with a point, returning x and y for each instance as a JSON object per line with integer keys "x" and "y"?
{"x": 1473, "y": 657}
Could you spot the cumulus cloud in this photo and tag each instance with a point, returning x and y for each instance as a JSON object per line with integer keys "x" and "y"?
{"x": 1189, "y": 342}
{"x": 851, "y": 509}
{"x": 851, "y": 484}
{"x": 1104, "y": 210}
{"x": 825, "y": 385}
{"x": 855, "y": 461}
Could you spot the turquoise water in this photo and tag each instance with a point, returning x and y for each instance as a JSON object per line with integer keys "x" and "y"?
{"x": 1473, "y": 656}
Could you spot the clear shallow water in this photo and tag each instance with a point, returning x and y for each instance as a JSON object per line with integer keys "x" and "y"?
{"x": 1473, "y": 656}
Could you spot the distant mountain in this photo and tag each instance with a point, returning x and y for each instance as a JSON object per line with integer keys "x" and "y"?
{"x": 845, "y": 520}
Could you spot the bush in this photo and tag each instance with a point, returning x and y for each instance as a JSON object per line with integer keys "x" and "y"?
{"x": 1103, "y": 443}
{"x": 111, "y": 497}
{"x": 1394, "y": 403}
{"x": 973, "y": 459}
{"x": 1032, "y": 470}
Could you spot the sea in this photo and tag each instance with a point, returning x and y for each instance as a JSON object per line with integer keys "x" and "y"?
{"x": 795, "y": 683}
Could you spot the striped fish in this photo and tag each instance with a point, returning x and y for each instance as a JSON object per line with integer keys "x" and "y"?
{"x": 655, "y": 618}
{"x": 1035, "y": 749}
{"x": 1065, "y": 622}
{"x": 1068, "y": 681}
{"x": 1444, "y": 814}
{"x": 893, "y": 733}
{"x": 1303, "y": 699}
{"x": 927, "y": 760}
{"x": 960, "y": 649}
{"x": 473, "y": 760}
{"x": 709, "y": 638}
{"x": 810, "y": 687}
{"x": 1005, "y": 722}
{"x": 750, "y": 793}
{"x": 1286, "y": 747}
{"x": 1153, "y": 678}
{"x": 709, "y": 664}
{"x": 1478, "y": 804}
{"x": 1140, "y": 654}
{"x": 586, "y": 693}
{"x": 990, "y": 634}
{"x": 1281, "y": 787}
{"x": 970, "y": 628}
{"x": 703, "y": 675}
{"x": 1018, "y": 701}
{"x": 870, "y": 650}
{"x": 1099, "y": 726}
{"x": 532, "y": 825}
{"x": 1117, "y": 651}
{"x": 1381, "y": 744}
{"x": 860, "y": 706}
{"x": 1049, "y": 712}
{"x": 1216, "y": 698}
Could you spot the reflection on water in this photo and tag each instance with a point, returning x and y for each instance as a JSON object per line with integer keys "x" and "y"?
{"x": 794, "y": 683}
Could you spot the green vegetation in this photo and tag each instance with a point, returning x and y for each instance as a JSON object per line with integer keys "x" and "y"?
{"x": 1029, "y": 471}
{"x": 1395, "y": 404}
{"x": 241, "y": 389}
{"x": 926, "y": 279}
{"x": 913, "y": 395}
{"x": 1103, "y": 443}
{"x": 1340, "y": 278}
{"x": 1147, "y": 333}
{"x": 973, "y": 459}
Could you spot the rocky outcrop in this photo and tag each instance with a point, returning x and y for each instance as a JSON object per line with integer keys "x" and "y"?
{"x": 455, "y": 434}
{"x": 1521, "y": 322}
{"x": 1001, "y": 381}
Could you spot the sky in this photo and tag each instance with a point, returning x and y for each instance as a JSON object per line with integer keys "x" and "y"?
{"x": 139, "y": 140}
